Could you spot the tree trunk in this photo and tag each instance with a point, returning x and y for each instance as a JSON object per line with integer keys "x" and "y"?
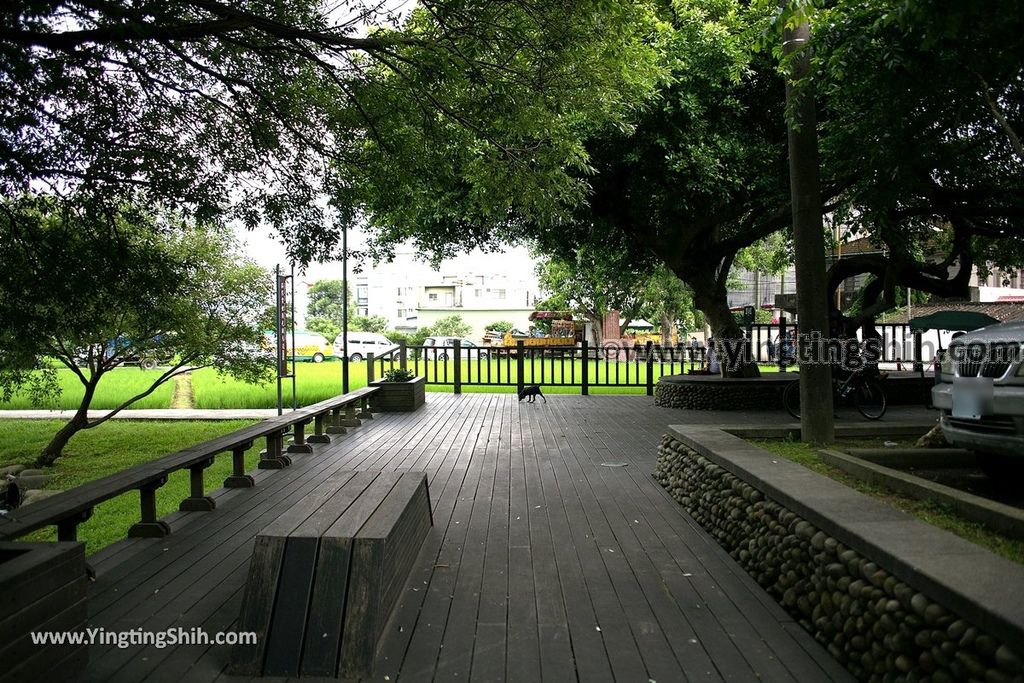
{"x": 730, "y": 343}
{"x": 667, "y": 319}
{"x": 80, "y": 421}
{"x": 816, "y": 419}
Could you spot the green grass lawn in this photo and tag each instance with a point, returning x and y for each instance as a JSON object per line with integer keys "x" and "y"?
{"x": 938, "y": 515}
{"x": 318, "y": 381}
{"x": 120, "y": 384}
{"x": 112, "y": 447}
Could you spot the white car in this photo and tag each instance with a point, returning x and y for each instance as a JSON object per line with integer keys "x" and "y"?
{"x": 445, "y": 344}
{"x": 361, "y": 344}
{"x": 980, "y": 394}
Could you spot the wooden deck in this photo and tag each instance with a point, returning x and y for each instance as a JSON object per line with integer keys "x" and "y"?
{"x": 546, "y": 561}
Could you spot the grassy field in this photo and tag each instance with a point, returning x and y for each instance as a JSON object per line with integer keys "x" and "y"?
{"x": 112, "y": 447}
{"x": 938, "y": 515}
{"x": 120, "y": 384}
{"x": 316, "y": 382}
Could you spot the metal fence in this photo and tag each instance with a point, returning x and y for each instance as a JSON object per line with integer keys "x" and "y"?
{"x": 581, "y": 366}
{"x": 612, "y": 365}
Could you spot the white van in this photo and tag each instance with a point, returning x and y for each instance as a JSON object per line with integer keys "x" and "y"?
{"x": 362, "y": 343}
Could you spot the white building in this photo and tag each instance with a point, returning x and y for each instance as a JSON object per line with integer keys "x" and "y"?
{"x": 480, "y": 287}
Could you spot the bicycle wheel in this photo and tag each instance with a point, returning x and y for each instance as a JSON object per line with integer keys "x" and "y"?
{"x": 869, "y": 397}
{"x": 791, "y": 398}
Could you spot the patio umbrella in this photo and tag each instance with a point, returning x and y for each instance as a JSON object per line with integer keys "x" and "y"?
{"x": 952, "y": 320}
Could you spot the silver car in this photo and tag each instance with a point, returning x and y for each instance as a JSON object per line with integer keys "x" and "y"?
{"x": 980, "y": 392}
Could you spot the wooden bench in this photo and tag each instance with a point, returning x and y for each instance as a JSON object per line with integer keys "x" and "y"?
{"x": 325, "y": 576}
{"x": 68, "y": 509}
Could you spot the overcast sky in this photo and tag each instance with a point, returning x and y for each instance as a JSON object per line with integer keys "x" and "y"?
{"x": 264, "y": 248}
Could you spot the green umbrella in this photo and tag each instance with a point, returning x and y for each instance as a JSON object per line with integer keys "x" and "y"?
{"x": 953, "y": 320}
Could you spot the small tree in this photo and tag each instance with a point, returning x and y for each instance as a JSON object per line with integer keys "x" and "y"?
{"x": 323, "y": 312}
{"x": 369, "y": 323}
{"x": 88, "y": 293}
{"x": 501, "y": 326}
{"x": 450, "y": 326}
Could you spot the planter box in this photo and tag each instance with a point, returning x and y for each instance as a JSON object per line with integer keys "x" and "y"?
{"x": 42, "y": 588}
{"x": 399, "y": 397}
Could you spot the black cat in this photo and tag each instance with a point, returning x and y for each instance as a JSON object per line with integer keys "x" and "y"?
{"x": 531, "y": 393}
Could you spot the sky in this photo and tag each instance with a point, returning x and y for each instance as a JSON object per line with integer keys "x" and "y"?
{"x": 264, "y": 248}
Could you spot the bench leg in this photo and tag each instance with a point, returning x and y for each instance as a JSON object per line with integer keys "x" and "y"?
{"x": 364, "y": 409}
{"x": 239, "y": 479}
{"x": 149, "y": 526}
{"x": 67, "y": 528}
{"x": 350, "y": 419}
{"x": 318, "y": 435}
{"x": 274, "y": 458}
{"x": 198, "y": 501}
{"x": 335, "y": 427}
{"x": 299, "y": 444}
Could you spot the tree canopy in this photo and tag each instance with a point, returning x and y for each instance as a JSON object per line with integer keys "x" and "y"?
{"x": 254, "y": 110}
{"x": 88, "y": 299}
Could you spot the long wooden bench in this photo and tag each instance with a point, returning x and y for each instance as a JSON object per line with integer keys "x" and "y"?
{"x": 70, "y": 508}
{"x": 326, "y": 575}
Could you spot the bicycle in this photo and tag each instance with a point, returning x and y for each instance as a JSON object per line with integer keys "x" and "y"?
{"x": 866, "y": 392}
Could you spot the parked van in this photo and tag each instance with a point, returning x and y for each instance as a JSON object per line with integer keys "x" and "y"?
{"x": 309, "y": 346}
{"x": 362, "y": 343}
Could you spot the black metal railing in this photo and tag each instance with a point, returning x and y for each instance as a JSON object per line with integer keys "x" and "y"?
{"x": 583, "y": 366}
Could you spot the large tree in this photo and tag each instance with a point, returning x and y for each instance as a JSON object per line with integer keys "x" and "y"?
{"x": 252, "y": 109}
{"x": 78, "y": 295}
{"x": 926, "y": 125}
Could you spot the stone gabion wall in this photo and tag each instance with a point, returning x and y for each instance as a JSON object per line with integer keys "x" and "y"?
{"x": 718, "y": 396}
{"x": 740, "y": 395}
{"x": 877, "y": 626}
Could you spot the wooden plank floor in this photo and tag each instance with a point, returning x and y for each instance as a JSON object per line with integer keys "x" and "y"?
{"x": 554, "y": 556}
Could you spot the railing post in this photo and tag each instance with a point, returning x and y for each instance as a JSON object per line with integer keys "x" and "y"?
{"x": 198, "y": 501}
{"x": 585, "y": 383}
{"x": 299, "y": 444}
{"x": 370, "y": 376}
{"x": 149, "y": 526}
{"x": 403, "y": 355}
{"x": 918, "y": 351}
{"x": 650, "y": 369}
{"x": 239, "y": 479}
{"x": 67, "y": 528}
{"x": 457, "y": 356}
{"x": 520, "y": 365}
{"x": 782, "y": 340}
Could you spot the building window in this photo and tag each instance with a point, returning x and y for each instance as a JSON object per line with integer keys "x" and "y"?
{"x": 499, "y": 294}
{"x": 362, "y": 310}
{"x": 401, "y": 312}
{"x": 432, "y": 296}
{"x": 478, "y": 293}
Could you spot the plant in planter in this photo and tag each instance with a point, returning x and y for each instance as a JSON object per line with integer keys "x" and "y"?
{"x": 400, "y": 391}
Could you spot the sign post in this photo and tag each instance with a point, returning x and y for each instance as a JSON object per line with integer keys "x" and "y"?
{"x": 284, "y": 370}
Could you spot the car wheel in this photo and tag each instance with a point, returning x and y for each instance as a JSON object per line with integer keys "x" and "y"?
{"x": 147, "y": 364}
{"x": 355, "y": 357}
{"x": 442, "y": 356}
{"x": 318, "y": 357}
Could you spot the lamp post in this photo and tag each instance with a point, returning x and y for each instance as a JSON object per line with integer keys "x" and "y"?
{"x": 344, "y": 309}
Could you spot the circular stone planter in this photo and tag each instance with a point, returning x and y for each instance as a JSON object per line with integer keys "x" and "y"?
{"x": 711, "y": 392}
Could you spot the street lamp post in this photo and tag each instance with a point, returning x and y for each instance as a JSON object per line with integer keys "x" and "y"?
{"x": 344, "y": 309}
